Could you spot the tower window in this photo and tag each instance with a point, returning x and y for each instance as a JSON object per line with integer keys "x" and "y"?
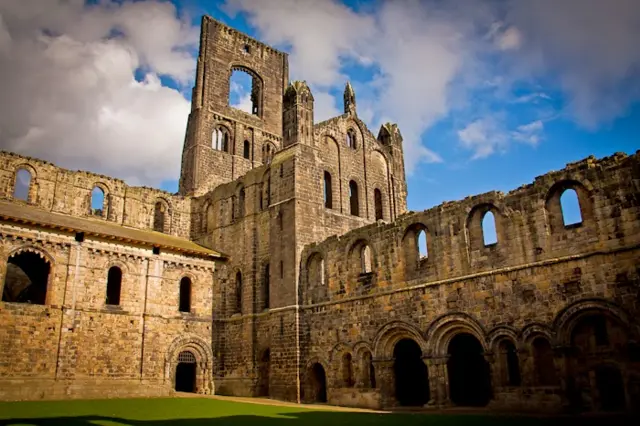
{"x": 246, "y": 48}
{"x": 377, "y": 199}
{"x": 351, "y": 139}
{"x": 185, "y": 295}
{"x": 570, "y": 206}
{"x": 328, "y": 195}
{"x": 220, "y": 139}
{"x": 245, "y": 90}
{"x": 353, "y": 199}
{"x": 97, "y": 202}
{"x": 247, "y": 150}
{"x": 22, "y": 185}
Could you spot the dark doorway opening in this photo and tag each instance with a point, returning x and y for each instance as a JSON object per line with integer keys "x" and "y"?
{"x": 411, "y": 374}
{"x": 318, "y": 383}
{"x": 610, "y": 388}
{"x": 186, "y": 372}
{"x": 264, "y": 370}
{"x": 469, "y": 379}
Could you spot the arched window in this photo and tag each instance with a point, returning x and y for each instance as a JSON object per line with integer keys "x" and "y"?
{"x": 351, "y": 139}
{"x": 377, "y": 201}
{"x": 265, "y": 288}
{"x": 365, "y": 259}
{"x": 238, "y": 295}
{"x": 22, "y": 185}
{"x": 185, "y": 295}
{"x": 97, "y": 202}
{"x": 267, "y": 153}
{"x": 220, "y": 139}
{"x": 114, "y": 286}
{"x": 209, "y": 218}
{"x": 489, "y": 235}
{"x": 347, "y": 370}
{"x": 570, "y": 206}
{"x": 245, "y": 92}
{"x": 159, "y": 212}
{"x": 421, "y": 241}
{"x": 26, "y": 278}
{"x": 353, "y": 198}
{"x": 328, "y": 193}
{"x": 315, "y": 270}
{"x": 246, "y": 153}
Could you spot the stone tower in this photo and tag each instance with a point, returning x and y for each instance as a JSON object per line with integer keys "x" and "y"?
{"x": 298, "y": 114}
{"x": 222, "y": 143}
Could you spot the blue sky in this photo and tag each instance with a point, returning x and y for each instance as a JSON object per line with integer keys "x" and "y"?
{"x": 563, "y": 139}
{"x": 487, "y": 94}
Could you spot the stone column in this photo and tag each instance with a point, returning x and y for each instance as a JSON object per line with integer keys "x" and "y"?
{"x": 438, "y": 381}
{"x": 561, "y": 355}
{"x": 385, "y": 381}
{"x": 490, "y": 359}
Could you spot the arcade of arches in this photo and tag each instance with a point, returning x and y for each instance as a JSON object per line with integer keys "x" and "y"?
{"x": 583, "y": 366}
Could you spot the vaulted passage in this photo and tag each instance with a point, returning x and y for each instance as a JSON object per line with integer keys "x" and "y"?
{"x": 318, "y": 383}
{"x": 411, "y": 375}
{"x": 26, "y": 279}
{"x": 610, "y": 388}
{"x": 469, "y": 381}
{"x": 186, "y": 372}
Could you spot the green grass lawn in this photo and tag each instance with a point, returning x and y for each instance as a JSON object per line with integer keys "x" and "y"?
{"x": 204, "y": 411}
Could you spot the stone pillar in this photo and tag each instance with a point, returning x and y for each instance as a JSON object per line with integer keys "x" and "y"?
{"x": 561, "y": 356}
{"x": 438, "y": 381}
{"x": 385, "y": 381}
{"x": 490, "y": 359}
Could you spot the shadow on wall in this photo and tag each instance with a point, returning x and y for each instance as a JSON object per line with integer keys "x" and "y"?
{"x": 311, "y": 418}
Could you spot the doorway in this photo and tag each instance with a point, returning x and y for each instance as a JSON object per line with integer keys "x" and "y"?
{"x": 411, "y": 374}
{"x": 469, "y": 379}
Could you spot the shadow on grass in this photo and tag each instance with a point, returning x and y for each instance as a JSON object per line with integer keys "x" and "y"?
{"x": 323, "y": 418}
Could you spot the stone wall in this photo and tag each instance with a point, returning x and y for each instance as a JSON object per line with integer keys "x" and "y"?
{"x": 540, "y": 280}
{"x": 77, "y": 345}
{"x": 69, "y": 192}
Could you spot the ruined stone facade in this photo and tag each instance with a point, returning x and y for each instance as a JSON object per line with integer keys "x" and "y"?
{"x": 304, "y": 273}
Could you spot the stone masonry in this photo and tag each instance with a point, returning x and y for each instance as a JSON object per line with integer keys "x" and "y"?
{"x": 287, "y": 266}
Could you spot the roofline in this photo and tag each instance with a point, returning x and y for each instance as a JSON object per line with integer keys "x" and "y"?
{"x": 11, "y": 218}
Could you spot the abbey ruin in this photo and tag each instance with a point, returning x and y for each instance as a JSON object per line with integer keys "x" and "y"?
{"x": 287, "y": 266}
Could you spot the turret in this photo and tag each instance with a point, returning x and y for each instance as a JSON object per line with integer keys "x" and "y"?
{"x": 349, "y": 100}
{"x": 389, "y": 136}
{"x": 297, "y": 114}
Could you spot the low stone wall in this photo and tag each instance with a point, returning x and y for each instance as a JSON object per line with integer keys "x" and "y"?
{"x": 545, "y": 399}
{"x": 354, "y": 397}
{"x": 39, "y": 389}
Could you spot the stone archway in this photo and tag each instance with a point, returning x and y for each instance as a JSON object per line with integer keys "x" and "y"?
{"x": 410, "y": 373}
{"x": 190, "y": 360}
{"x": 185, "y": 378}
{"x": 469, "y": 375}
{"x": 318, "y": 382}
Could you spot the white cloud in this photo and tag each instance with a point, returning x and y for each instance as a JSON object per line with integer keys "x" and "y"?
{"x": 489, "y": 135}
{"x": 589, "y": 46}
{"x": 483, "y": 136}
{"x": 67, "y": 79}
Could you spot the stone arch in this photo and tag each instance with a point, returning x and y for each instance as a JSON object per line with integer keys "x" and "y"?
{"x": 312, "y": 391}
{"x": 360, "y": 347}
{"x": 474, "y": 229}
{"x": 338, "y": 350}
{"x": 257, "y": 87}
{"x": 533, "y": 330}
{"x": 553, "y": 205}
{"x": 204, "y": 362}
{"x": 222, "y": 138}
{"x": 41, "y": 296}
{"x": 391, "y": 333}
{"x": 106, "y": 201}
{"x": 446, "y": 327}
{"x": 411, "y": 249}
{"x": 501, "y": 332}
{"x": 570, "y": 316}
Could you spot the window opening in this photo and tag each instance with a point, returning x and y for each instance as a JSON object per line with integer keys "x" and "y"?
{"x": 422, "y": 244}
{"x": 245, "y": 92}
{"x": 185, "y": 295}
{"x": 328, "y": 196}
{"x": 97, "y": 201}
{"x": 353, "y": 198}
{"x": 570, "y": 206}
{"x": 377, "y": 199}
{"x": 22, "y": 185}
{"x": 114, "y": 286}
{"x": 489, "y": 236}
{"x": 247, "y": 150}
